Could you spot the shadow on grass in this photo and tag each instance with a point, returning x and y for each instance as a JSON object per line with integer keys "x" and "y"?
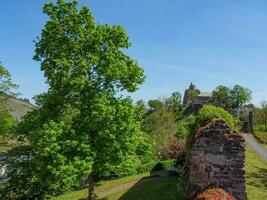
{"x": 156, "y": 190}
{"x": 152, "y": 188}
{"x": 162, "y": 184}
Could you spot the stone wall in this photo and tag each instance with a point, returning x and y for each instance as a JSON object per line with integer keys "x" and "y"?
{"x": 217, "y": 158}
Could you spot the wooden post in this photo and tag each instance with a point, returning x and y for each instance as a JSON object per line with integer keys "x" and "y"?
{"x": 91, "y": 192}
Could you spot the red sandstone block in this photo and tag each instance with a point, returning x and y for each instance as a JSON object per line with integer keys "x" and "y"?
{"x": 214, "y": 194}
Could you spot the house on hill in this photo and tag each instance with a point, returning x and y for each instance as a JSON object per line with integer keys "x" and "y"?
{"x": 201, "y": 99}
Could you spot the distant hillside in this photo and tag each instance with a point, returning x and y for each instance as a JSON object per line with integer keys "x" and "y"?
{"x": 18, "y": 107}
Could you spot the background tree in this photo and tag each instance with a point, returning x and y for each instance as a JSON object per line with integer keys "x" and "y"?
{"x": 240, "y": 96}
{"x": 192, "y": 94}
{"x": 174, "y": 103}
{"x": 160, "y": 125}
{"x": 221, "y": 97}
{"x": 155, "y": 105}
{"x": 82, "y": 126}
{"x": 7, "y": 124}
{"x": 6, "y": 84}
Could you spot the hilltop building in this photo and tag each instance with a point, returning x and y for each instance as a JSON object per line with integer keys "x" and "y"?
{"x": 194, "y": 99}
{"x": 189, "y": 94}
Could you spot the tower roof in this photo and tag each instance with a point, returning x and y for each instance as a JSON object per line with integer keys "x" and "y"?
{"x": 192, "y": 86}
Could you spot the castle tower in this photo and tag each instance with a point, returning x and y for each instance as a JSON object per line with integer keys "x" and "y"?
{"x": 191, "y": 88}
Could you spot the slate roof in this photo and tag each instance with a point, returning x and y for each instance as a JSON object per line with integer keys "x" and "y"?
{"x": 204, "y": 94}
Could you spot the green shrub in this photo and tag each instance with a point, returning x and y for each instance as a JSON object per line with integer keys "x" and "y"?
{"x": 185, "y": 127}
{"x": 209, "y": 112}
{"x": 260, "y": 128}
{"x": 261, "y": 136}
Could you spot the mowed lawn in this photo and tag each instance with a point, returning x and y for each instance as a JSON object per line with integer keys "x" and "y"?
{"x": 135, "y": 188}
{"x": 100, "y": 187}
{"x": 256, "y": 172}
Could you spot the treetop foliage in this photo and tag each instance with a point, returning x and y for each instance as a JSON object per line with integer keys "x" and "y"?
{"x": 76, "y": 53}
{"x": 231, "y": 98}
{"x": 6, "y": 84}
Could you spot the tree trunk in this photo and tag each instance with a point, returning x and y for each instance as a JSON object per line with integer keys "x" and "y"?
{"x": 91, "y": 192}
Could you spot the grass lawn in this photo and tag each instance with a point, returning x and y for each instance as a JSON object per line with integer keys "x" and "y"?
{"x": 146, "y": 189}
{"x": 256, "y": 172}
{"x": 164, "y": 189}
{"x": 100, "y": 187}
{"x": 130, "y": 188}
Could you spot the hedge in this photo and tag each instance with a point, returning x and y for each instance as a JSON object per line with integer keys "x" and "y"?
{"x": 261, "y": 136}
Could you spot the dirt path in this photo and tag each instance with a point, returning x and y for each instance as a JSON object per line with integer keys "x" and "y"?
{"x": 260, "y": 149}
{"x": 125, "y": 186}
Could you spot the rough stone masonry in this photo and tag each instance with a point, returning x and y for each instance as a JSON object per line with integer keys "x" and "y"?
{"x": 217, "y": 159}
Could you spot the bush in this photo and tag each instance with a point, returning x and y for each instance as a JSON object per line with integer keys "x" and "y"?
{"x": 185, "y": 127}
{"x": 209, "y": 112}
{"x": 174, "y": 150}
{"x": 261, "y": 136}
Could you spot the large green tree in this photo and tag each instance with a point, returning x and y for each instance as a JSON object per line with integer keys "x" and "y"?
{"x": 174, "y": 103}
{"x": 83, "y": 125}
{"x": 221, "y": 97}
{"x": 240, "y": 96}
{"x": 231, "y": 98}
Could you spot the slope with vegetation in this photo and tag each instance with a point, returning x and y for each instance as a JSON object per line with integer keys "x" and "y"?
{"x": 17, "y": 107}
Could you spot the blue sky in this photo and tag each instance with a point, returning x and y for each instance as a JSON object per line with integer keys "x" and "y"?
{"x": 206, "y": 42}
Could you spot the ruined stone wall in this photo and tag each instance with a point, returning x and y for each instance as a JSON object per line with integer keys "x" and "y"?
{"x": 217, "y": 158}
